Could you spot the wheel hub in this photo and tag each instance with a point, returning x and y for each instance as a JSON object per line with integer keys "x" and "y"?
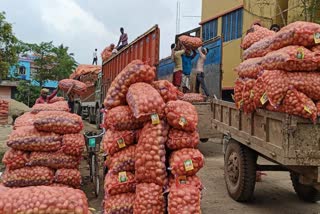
{"x": 233, "y": 167}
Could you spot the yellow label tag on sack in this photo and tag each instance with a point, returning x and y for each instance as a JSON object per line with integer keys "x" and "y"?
{"x": 182, "y": 121}
{"x": 121, "y": 143}
{"x": 188, "y": 165}
{"x": 182, "y": 179}
{"x": 122, "y": 177}
{"x": 300, "y": 53}
{"x": 251, "y": 94}
{"x": 307, "y": 109}
{"x": 155, "y": 119}
{"x": 316, "y": 37}
{"x": 264, "y": 98}
{"x": 240, "y": 103}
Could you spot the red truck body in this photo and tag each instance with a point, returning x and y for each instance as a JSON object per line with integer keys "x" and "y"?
{"x": 145, "y": 48}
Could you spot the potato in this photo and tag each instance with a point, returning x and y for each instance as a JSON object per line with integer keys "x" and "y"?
{"x": 55, "y": 160}
{"x": 297, "y": 33}
{"x": 28, "y": 176}
{"x": 316, "y": 48}
{"x": 187, "y": 180}
{"x": 57, "y": 99}
{"x": 43, "y": 199}
{"x": 250, "y": 68}
{"x": 291, "y": 58}
{"x": 184, "y": 199}
{"x": 29, "y": 139}
{"x": 114, "y": 141}
{"x": 186, "y": 162}
{"x": 150, "y": 163}
{"x": 69, "y": 177}
{"x": 121, "y": 203}
{"x": 79, "y": 87}
{"x": 149, "y": 199}
{"x": 58, "y": 122}
{"x": 182, "y": 115}
{"x": 192, "y": 97}
{"x": 57, "y": 106}
{"x": 256, "y": 35}
{"x": 247, "y": 102}
{"x": 167, "y": 90}
{"x": 121, "y": 118}
{"x": 134, "y": 72}
{"x": 123, "y": 160}
{"x": 117, "y": 183}
{"x": 26, "y": 119}
{"x": 15, "y": 159}
{"x": 190, "y": 42}
{"x": 73, "y": 144}
{"x": 144, "y": 100}
{"x": 179, "y": 139}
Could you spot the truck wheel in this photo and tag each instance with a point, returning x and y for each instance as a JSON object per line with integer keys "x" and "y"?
{"x": 240, "y": 171}
{"x": 304, "y": 192}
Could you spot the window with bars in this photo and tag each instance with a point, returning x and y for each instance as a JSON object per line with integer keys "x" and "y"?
{"x": 232, "y": 25}
{"x": 209, "y": 30}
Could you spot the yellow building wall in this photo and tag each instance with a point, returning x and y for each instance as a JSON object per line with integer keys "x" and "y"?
{"x": 267, "y": 14}
{"x": 296, "y": 12}
{"x": 211, "y": 8}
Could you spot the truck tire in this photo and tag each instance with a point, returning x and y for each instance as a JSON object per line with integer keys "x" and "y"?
{"x": 240, "y": 171}
{"x": 305, "y": 192}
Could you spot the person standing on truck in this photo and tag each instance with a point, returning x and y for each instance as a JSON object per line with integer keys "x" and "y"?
{"x": 200, "y": 71}
{"x": 44, "y": 97}
{"x": 95, "y": 57}
{"x": 176, "y": 56}
{"x": 123, "y": 40}
{"x": 187, "y": 58}
{"x": 70, "y": 95}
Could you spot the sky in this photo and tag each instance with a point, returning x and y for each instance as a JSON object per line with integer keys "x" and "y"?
{"x": 84, "y": 25}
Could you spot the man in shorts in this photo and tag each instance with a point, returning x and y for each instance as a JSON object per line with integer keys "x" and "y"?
{"x": 187, "y": 67}
{"x": 176, "y": 53}
{"x": 200, "y": 80}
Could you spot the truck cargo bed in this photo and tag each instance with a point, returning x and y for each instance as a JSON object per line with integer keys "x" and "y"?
{"x": 285, "y": 139}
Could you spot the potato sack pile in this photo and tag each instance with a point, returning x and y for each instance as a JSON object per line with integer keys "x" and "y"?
{"x": 281, "y": 71}
{"x": 4, "y": 112}
{"x": 43, "y": 161}
{"x": 151, "y": 142}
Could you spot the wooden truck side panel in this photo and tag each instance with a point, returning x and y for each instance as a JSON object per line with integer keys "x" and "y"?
{"x": 286, "y": 139}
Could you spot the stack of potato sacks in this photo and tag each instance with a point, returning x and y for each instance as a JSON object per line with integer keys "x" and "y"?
{"x": 148, "y": 132}
{"x": 43, "y": 161}
{"x": 281, "y": 70}
{"x": 4, "y": 112}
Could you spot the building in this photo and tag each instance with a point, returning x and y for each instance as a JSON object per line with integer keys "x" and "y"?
{"x": 23, "y": 71}
{"x": 230, "y": 19}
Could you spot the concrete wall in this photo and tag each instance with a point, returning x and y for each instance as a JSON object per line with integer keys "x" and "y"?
{"x": 5, "y": 92}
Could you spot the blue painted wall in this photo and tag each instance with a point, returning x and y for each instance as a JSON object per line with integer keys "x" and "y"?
{"x": 26, "y": 62}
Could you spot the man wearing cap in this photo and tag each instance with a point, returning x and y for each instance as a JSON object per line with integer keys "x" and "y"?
{"x": 44, "y": 97}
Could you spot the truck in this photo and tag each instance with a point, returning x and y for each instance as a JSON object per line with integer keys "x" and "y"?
{"x": 144, "y": 47}
{"x": 88, "y": 105}
{"x": 290, "y": 143}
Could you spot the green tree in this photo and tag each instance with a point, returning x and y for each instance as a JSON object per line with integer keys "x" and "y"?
{"x": 52, "y": 63}
{"x": 27, "y": 93}
{"x": 9, "y": 46}
{"x": 65, "y": 63}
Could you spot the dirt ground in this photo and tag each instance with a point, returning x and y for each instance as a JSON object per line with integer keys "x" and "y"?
{"x": 273, "y": 195}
